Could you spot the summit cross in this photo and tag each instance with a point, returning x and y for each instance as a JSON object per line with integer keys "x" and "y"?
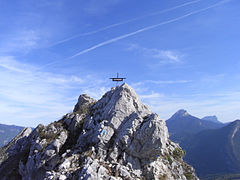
{"x": 117, "y": 79}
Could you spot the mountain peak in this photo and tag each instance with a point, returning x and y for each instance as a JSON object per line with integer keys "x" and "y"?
{"x": 125, "y": 88}
{"x": 116, "y": 136}
{"x": 181, "y": 113}
{"x": 121, "y": 101}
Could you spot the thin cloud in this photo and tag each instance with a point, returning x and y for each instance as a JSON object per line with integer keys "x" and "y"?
{"x": 21, "y": 41}
{"x": 125, "y": 22}
{"x": 9, "y": 63}
{"x": 159, "y": 82}
{"x": 150, "y": 96}
{"x": 142, "y": 87}
{"x": 173, "y": 56}
{"x": 169, "y": 82}
{"x": 164, "y": 56}
{"x": 110, "y": 41}
{"x": 40, "y": 97}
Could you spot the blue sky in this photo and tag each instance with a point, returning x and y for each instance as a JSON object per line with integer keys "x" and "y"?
{"x": 177, "y": 54}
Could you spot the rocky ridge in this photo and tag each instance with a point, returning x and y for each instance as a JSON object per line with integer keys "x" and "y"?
{"x": 8, "y": 132}
{"x": 114, "y": 138}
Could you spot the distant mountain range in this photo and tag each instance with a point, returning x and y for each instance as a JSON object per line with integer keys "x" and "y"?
{"x": 7, "y": 132}
{"x": 211, "y": 146}
{"x": 183, "y": 122}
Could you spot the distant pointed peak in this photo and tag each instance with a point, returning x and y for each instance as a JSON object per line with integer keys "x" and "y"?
{"x": 182, "y": 112}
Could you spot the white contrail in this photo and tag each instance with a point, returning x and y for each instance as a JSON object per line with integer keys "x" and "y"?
{"x": 138, "y": 31}
{"x": 147, "y": 28}
{"x": 125, "y": 22}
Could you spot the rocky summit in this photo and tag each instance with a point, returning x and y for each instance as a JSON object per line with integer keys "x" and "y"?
{"x": 114, "y": 138}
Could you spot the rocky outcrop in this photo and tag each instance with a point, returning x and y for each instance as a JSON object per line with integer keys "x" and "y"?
{"x": 84, "y": 101}
{"x": 116, "y": 137}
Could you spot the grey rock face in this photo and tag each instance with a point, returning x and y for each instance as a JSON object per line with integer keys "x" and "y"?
{"x": 114, "y": 138}
{"x": 13, "y": 153}
{"x": 83, "y": 103}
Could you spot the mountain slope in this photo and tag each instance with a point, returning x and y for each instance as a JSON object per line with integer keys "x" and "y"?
{"x": 114, "y": 138}
{"x": 214, "y": 151}
{"x": 7, "y": 132}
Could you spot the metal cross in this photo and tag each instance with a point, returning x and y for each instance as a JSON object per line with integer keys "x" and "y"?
{"x": 117, "y": 79}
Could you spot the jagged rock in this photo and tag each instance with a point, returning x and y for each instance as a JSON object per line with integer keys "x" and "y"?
{"x": 14, "y": 153}
{"x": 114, "y": 138}
{"x": 84, "y": 101}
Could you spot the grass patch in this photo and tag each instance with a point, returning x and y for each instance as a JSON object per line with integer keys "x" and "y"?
{"x": 178, "y": 153}
{"x": 163, "y": 177}
{"x": 47, "y": 133}
{"x": 86, "y": 109}
{"x": 189, "y": 176}
{"x": 169, "y": 159}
